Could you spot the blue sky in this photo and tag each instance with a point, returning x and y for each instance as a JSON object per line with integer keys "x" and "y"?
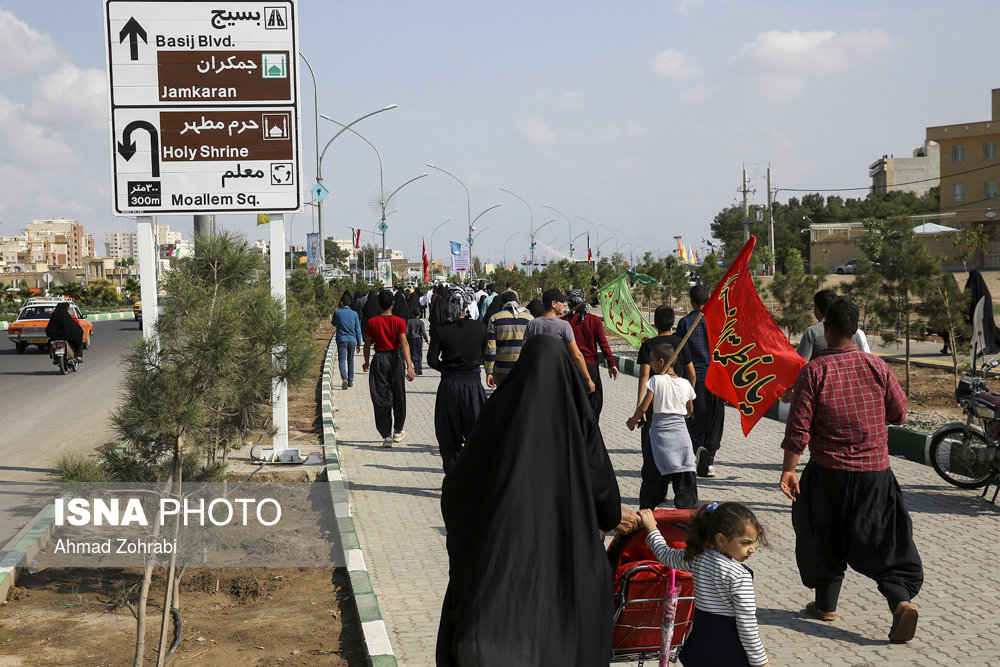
{"x": 636, "y": 115}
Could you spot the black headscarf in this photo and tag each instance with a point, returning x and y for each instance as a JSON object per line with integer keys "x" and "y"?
{"x": 536, "y": 308}
{"x": 62, "y": 325}
{"x": 370, "y": 309}
{"x": 530, "y": 583}
{"x": 498, "y": 302}
{"x": 576, "y": 302}
{"x": 358, "y": 304}
{"x": 413, "y": 301}
{"x": 400, "y": 307}
{"x": 976, "y": 288}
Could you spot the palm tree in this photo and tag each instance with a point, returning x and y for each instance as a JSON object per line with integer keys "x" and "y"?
{"x": 73, "y": 290}
{"x": 132, "y": 288}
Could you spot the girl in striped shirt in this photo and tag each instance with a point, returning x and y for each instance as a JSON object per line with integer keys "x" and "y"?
{"x": 721, "y": 537}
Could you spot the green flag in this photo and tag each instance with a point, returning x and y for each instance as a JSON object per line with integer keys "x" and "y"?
{"x": 621, "y": 314}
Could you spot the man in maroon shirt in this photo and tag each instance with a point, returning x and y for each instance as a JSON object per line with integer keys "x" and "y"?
{"x": 385, "y": 381}
{"x": 589, "y": 331}
{"x": 847, "y": 508}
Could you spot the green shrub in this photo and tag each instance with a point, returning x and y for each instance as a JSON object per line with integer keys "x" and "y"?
{"x": 78, "y": 468}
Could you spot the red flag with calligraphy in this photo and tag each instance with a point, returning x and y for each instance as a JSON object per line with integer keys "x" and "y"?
{"x": 752, "y": 363}
{"x": 427, "y": 265}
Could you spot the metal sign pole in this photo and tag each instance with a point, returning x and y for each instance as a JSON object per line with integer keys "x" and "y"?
{"x": 147, "y": 275}
{"x": 279, "y": 391}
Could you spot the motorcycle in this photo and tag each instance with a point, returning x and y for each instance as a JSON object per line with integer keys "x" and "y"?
{"x": 62, "y": 356}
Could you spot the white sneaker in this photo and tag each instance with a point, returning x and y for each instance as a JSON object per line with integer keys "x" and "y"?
{"x": 711, "y": 471}
{"x": 398, "y": 436}
{"x": 387, "y": 441}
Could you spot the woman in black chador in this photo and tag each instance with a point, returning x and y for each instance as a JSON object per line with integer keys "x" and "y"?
{"x": 63, "y": 326}
{"x": 524, "y": 504}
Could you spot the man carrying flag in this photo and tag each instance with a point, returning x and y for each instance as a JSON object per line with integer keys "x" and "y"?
{"x": 748, "y": 361}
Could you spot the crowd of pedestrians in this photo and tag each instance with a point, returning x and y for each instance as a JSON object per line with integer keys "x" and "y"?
{"x": 529, "y": 486}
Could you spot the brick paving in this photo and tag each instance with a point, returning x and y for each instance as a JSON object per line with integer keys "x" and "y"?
{"x": 395, "y": 500}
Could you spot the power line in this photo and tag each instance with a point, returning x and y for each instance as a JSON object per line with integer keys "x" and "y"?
{"x": 868, "y": 187}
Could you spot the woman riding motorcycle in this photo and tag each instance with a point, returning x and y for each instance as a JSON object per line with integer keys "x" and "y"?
{"x": 63, "y": 326}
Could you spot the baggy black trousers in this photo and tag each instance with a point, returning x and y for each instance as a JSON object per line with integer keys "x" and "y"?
{"x": 706, "y": 420}
{"x": 460, "y": 397}
{"x": 387, "y": 386}
{"x": 596, "y": 398}
{"x": 858, "y": 519}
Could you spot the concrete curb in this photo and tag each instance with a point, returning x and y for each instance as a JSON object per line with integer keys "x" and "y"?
{"x": 377, "y": 644}
{"x": 96, "y": 317}
{"x": 21, "y": 550}
{"x": 903, "y": 442}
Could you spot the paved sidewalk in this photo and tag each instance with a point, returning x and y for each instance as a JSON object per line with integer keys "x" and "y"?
{"x": 395, "y": 499}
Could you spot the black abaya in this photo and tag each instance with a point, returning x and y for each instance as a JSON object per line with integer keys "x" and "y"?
{"x": 523, "y": 505}
{"x": 62, "y": 325}
{"x": 976, "y": 287}
{"x": 400, "y": 307}
{"x": 370, "y": 310}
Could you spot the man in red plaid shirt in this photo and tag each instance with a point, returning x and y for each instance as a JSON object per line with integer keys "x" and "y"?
{"x": 847, "y": 508}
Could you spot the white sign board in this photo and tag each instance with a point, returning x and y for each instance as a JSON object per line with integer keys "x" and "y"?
{"x": 204, "y": 106}
{"x": 460, "y": 262}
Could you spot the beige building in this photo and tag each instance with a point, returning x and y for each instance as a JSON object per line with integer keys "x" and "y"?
{"x": 970, "y": 173}
{"x": 917, "y": 174}
{"x": 834, "y": 243}
{"x": 78, "y": 244}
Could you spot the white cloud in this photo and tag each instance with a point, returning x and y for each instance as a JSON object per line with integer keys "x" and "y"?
{"x": 536, "y": 131}
{"x": 24, "y": 142}
{"x": 72, "y": 96}
{"x": 24, "y": 48}
{"x": 686, "y": 6}
{"x": 817, "y": 52}
{"x": 672, "y": 64}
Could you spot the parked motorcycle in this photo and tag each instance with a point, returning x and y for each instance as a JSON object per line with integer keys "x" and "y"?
{"x": 62, "y": 356}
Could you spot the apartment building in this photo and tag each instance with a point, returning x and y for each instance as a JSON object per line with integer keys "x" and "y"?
{"x": 917, "y": 174}
{"x": 970, "y": 172}
{"x": 78, "y": 243}
{"x": 125, "y": 245}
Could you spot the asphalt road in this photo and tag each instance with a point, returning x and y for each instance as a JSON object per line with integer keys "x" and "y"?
{"x": 44, "y": 415}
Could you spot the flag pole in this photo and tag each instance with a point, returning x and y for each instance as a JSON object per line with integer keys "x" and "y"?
{"x": 684, "y": 340}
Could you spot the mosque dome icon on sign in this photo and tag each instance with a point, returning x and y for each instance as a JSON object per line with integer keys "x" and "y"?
{"x": 274, "y": 66}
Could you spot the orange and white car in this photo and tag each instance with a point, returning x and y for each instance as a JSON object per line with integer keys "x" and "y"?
{"x": 29, "y": 327}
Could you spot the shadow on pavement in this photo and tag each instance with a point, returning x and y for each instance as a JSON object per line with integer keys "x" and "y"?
{"x": 802, "y": 623}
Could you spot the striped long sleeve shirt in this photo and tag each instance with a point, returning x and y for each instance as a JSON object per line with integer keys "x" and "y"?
{"x": 721, "y": 586}
{"x": 504, "y": 337}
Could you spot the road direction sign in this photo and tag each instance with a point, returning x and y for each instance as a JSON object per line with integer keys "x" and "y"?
{"x": 382, "y": 227}
{"x": 204, "y": 106}
{"x": 319, "y": 192}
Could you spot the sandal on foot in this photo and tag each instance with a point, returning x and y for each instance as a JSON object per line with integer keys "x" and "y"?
{"x": 819, "y": 614}
{"x": 904, "y": 623}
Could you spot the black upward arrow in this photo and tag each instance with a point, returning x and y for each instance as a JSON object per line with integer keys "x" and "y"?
{"x": 134, "y": 32}
{"x": 126, "y": 147}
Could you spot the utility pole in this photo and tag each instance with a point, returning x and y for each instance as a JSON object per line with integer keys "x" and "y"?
{"x": 204, "y": 225}
{"x": 770, "y": 218}
{"x": 746, "y": 208}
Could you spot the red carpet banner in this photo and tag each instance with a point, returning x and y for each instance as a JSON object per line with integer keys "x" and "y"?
{"x": 621, "y": 314}
{"x": 752, "y": 361}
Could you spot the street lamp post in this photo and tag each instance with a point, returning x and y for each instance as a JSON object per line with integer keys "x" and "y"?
{"x": 472, "y": 238}
{"x": 468, "y": 211}
{"x": 613, "y": 238}
{"x": 432, "y": 237}
{"x": 568, "y": 227}
{"x": 319, "y": 172}
{"x": 384, "y": 204}
{"x": 505, "y": 248}
{"x": 531, "y": 229}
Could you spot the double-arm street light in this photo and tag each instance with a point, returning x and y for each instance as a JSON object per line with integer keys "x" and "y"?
{"x": 505, "y": 248}
{"x": 431, "y": 260}
{"x": 472, "y": 228}
{"x": 531, "y": 229}
{"x": 383, "y": 204}
{"x": 613, "y": 238}
{"x": 319, "y": 170}
{"x": 568, "y": 227}
{"x": 468, "y": 209}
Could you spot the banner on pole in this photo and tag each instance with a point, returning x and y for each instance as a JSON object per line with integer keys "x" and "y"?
{"x": 752, "y": 363}
{"x": 621, "y": 314}
{"x": 460, "y": 262}
{"x": 385, "y": 271}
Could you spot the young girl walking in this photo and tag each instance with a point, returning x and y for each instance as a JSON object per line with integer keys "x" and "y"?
{"x": 671, "y": 397}
{"x": 721, "y": 537}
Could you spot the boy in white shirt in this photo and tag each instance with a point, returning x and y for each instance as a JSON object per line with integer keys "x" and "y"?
{"x": 672, "y": 400}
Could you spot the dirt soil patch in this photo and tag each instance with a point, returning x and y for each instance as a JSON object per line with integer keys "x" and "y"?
{"x": 231, "y": 616}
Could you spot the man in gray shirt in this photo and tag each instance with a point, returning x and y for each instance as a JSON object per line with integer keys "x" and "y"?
{"x": 552, "y": 324}
{"x": 813, "y": 339}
